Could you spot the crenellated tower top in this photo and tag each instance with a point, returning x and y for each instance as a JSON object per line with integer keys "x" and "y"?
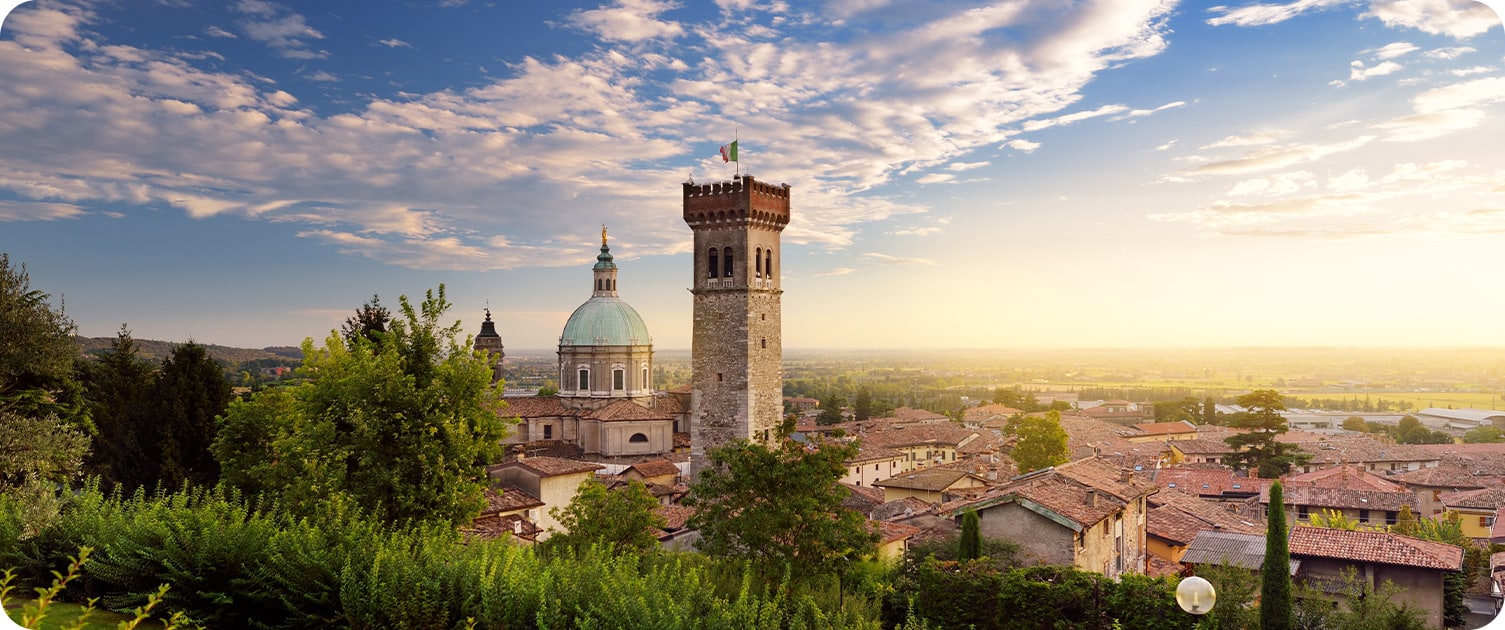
{"x": 742, "y": 202}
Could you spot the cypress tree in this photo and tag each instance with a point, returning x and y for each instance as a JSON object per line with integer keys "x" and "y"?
{"x": 1275, "y": 589}
{"x": 971, "y": 542}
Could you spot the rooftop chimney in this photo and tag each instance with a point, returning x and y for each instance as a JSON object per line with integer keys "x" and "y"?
{"x": 1092, "y": 498}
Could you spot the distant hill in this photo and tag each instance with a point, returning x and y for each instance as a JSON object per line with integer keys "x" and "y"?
{"x": 157, "y": 350}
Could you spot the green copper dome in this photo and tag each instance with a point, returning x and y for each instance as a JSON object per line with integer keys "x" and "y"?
{"x": 605, "y": 321}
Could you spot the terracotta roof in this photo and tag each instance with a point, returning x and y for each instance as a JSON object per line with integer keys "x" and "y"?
{"x": 867, "y": 452}
{"x": 536, "y": 407}
{"x": 1080, "y": 491}
{"x": 1375, "y": 547}
{"x": 655, "y": 468}
{"x": 918, "y": 436}
{"x": 900, "y": 509}
{"x": 1485, "y": 499}
{"x": 994, "y": 409}
{"x": 862, "y": 499}
{"x": 1179, "y": 517}
{"x": 929, "y": 479}
{"x": 1342, "y": 498}
{"x": 1156, "y": 566}
{"x": 1363, "y": 450}
{"x": 1342, "y": 476}
{"x": 1107, "y": 477}
{"x": 906, "y": 414}
{"x": 507, "y": 500}
{"x": 1226, "y": 549}
{"x": 1497, "y": 533}
{"x": 1202, "y": 446}
{"x": 1089, "y": 436}
{"x": 624, "y": 410}
{"x": 894, "y": 531}
{"x": 549, "y": 466}
{"x": 675, "y": 516}
{"x": 668, "y": 405}
{"x": 1208, "y": 481}
{"x": 492, "y": 527}
{"x": 1167, "y": 428}
{"x": 1444, "y": 476}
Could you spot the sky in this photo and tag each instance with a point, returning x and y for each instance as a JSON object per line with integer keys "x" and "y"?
{"x": 1018, "y": 174}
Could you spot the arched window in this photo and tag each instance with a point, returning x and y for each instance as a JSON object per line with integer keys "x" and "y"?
{"x": 644, "y": 384}
{"x": 598, "y": 284}
{"x": 711, "y": 268}
{"x": 758, "y": 262}
{"x": 638, "y": 438}
{"x": 726, "y": 262}
{"x": 768, "y": 262}
{"x": 585, "y": 379}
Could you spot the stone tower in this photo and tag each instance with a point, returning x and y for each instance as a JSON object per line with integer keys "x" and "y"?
{"x": 736, "y": 377}
{"x": 491, "y": 343}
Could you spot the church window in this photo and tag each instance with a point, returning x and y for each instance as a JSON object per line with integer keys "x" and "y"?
{"x": 598, "y": 284}
{"x": 726, "y": 262}
{"x": 758, "y": 262}
{"x": 711, "y": 268}
{"x": 619, "y": 379}
{"x": 638, "y": 438}
{"x": 644, "y": 384}
{"x": 585, "y": 379}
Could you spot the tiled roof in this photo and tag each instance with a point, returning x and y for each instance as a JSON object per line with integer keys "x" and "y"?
{"x": 867, "y": 452}
{"x": 1480, "y": 459}
{"x": 675, "y": 516}
{"x": 1208, "y": 481}
{"x": 1342, "y": 498}
{"x": 1093, "y": 436}
{"x": 1167, "y": 428}
{"x": 490, "y": 527}
{"x": 1362, "y": 450}
{"x": 1227, "y": 549}
{"x": 550, "y": 466}
{"x": 901, "y": 508}
{"x": 906, "y": 414}
{"x": 1342, "y": 476}
{"x": 994, "y": 409}
{"x": 862, "y": 499}
{"x": 1084, "y": 492}
{"x": 668, "y": 405}
{"x": 918, "y": 436}
{"x": 894, "y": 531}
{"x": 1484, "y": 499}
{"x": 929, "y": 479}
{"x": 1497, "y": 533}
{"x": 509, "y": 499}
{"x": 536, "y": 407}
{"x": 1202, "y": 446}
{"x": 1376, "y": 547}
{"x": 1109, "y": 478}
{"x": 655, "y": 468}
{"x": 1178, "y": 517}
{"x": 1444, "y": 476}
{"x": 1156, "y": 566}
{"x": 624, "y": 410}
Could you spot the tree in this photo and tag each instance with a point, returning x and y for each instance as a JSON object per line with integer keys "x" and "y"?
{"x": 369, "y": 322}
{"x": 1355, "y": 424}
{"x": 117, "y": 384}
{"x": 1334, "y": 519}
{"x": 1483, "y": 435}
{"x": 186, "y": 396}
{"x": 1258, "y": 448}
{"x": 862, "y": 409}
{"x": 830, "y": 410}
{"x": 622, "y": 518}
{"x": 401, "y": 428}
{"x": 779, "y": 507}
{"x": 970, "y": 547}
{"x": 1042, "y": 442}
{"x": 1275, "y": 576}
{"x": 37, "y": 353}
{"x": 1209, "y": 411}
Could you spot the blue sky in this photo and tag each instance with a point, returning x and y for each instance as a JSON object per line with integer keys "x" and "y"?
{"x": 966, "y": 174}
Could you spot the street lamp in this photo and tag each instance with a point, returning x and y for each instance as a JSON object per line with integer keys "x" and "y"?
{"x": 1196, "y": 595}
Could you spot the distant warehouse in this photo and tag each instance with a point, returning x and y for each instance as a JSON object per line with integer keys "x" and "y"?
{"x": 1436, "y": 417}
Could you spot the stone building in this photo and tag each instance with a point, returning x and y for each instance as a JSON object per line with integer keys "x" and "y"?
{"x": 736, "y": 344}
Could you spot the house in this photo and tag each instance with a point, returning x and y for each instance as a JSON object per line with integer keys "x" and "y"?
{"x": 799, "y": 404}
{"x": 1202, "y": 450}
{"x": 1362, "y": 450}
{"x": 1229, "y": 549}
{"x": 1119, "y": 412}
{"x": 1414, "y": 565}
{"x": 873, "y": 464}
{"x": 1089, "y": 514}
{"x": 1477, "y": 509}
{"x": 893, "y": 539}
{"x": 993, "y": 416}
{"x": 1217, "y": 484}
{"x": 1358, "y": 495}
{"x": 509, "y": 512}
{"x": 922, "y": 446}
{"x": 1176, "y": 518}
{"x": 1164, "y": 432}
{"x": 1429, "y": 484}
{"x": 930, "y": 485}
{"x": 658, "y": 471}
{"x": 552, "y": 480}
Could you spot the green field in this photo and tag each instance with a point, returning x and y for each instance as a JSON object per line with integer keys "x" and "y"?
{"x": 1421, "y": 400}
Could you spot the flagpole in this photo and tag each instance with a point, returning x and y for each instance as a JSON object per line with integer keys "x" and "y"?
{"x": 737, "y": 136}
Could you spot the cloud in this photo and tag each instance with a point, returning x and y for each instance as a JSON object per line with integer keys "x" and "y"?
{"x": 1168, "y": 144}
{"x": 1360, "y": 73}
{"x": 1267, "y": 14}
{"x": 1036, "y": 125}
{"x": 1449, "y": 53}
{"x": 279, "y": 28}
{"x": 838, "y": 271}
{"x": 1394, "y": 50}
{"x": 896, "y": 260}
{"x": 628, "y": 21}
{"x": 1248, "y": 140}
{"x": 1445, "y": 110}
{"x": 1280, "y": 184}
{"x": 394, "y": 43}
{"x": 966, "y": 166}
{"x": 927, "y": 230}
{"x": 215, "y": 31}
{"x": 1022, "y": 146}
{"x": 37, "y": 211}
{"x": 937, "y": 178}
{"x": 1459, "y": 19}
{"x": 1274, "y": 158}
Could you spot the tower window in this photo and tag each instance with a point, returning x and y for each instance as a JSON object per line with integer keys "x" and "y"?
{"x": 718, "y": 377}
{"x": 598, "y": 284}
{"x": 758, "y": 262}
{"x": 764, "y": 342}
{"x": 726, "y": 262}
{"x": 619, "y": 379}
{"x": 714, "y": 263}
{"x": 644, "y": 384}
{"x": 768, "y": 262}
{"x": 638, "y": 438}
{"x": 585, "y": 379}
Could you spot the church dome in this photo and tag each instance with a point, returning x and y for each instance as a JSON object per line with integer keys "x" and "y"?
{"x": 605, "y": 321}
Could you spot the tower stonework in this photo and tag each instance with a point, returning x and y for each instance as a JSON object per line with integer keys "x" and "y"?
{"x": 737, "y": 347}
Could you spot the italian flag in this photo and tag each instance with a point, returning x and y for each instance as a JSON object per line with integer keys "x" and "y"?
{"x": 729, "y": 152}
